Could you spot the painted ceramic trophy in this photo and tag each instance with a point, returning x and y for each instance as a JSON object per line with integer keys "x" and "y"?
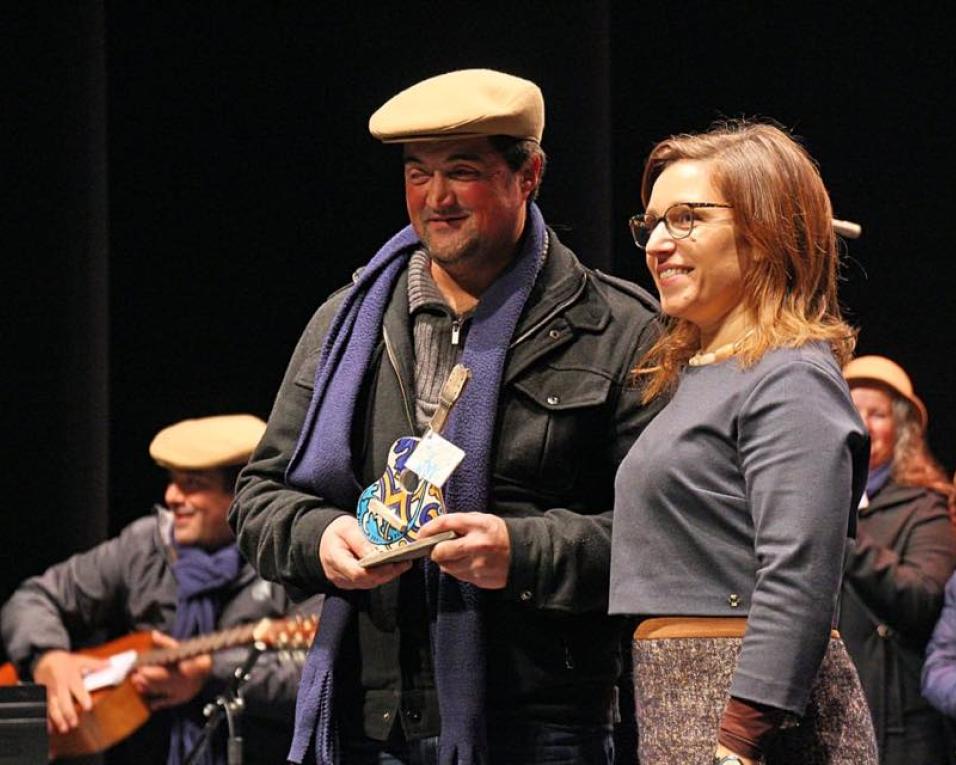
{"x": 408, "y": 494}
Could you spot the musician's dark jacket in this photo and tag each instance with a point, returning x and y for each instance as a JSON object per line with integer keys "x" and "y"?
{"x": 566, "y": 417}
{"x": 126, "y": 584}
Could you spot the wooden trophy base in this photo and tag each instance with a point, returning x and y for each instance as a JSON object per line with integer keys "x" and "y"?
{"x": 417, "y": 549}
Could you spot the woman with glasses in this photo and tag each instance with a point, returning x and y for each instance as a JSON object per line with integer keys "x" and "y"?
{"x": 734, "y": 506}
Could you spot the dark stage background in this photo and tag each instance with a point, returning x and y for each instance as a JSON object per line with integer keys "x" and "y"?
{"x": 184, "y": 184}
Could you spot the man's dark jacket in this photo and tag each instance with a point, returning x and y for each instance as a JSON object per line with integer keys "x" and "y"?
{"x": 566, "y": 417}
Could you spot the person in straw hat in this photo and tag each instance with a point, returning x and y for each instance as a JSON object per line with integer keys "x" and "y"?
{"x": 498, "y": 647}
{"x": 896, "y": 573}
{"x": 177, "y": 572}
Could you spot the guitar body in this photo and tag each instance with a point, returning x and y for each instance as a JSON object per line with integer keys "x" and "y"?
{"x": 119, "y": 711}
{"x": 413, "y": 508}
{"x": 8, "y": 675}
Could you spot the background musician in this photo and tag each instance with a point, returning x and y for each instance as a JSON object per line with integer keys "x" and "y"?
{"x": 177, "y": 572}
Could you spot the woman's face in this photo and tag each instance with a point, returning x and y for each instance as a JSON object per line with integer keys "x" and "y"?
{"x": 875, "y": 406}
{"x": 700, "y": 277}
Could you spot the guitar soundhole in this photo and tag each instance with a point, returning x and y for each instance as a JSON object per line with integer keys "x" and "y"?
{"x": 409, "y": 479}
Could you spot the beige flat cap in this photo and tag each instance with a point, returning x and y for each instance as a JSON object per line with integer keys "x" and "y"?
{"x": 465, "y": 104}
{"x": 880, "y": 369}
{"x": 207, "y": 442}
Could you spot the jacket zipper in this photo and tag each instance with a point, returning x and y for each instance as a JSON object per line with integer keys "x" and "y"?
{"x": 455, "y": 331}
{"x": 568, "y": 658}
{"x": 557, "y": 309}
{"x": 391, "y": 359}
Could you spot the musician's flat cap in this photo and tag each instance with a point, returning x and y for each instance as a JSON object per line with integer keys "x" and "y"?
{"x": 465, "y": 104}
{"x": 207, "y": 442}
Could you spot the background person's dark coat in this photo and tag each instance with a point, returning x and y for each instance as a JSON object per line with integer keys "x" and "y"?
{"x": 892, "y": 595}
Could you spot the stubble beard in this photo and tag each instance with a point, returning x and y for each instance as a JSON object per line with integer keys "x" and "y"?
{"x": 449, "y": 254}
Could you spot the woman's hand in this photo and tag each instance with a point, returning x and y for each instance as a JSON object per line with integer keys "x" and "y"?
{"x": 723, "y": 751}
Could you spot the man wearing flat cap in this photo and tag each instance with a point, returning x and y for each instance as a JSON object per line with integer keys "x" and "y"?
{"x": 177, "y": 572}
{"x": 496, "y": 647}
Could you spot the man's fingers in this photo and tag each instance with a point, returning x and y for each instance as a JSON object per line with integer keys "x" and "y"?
{"x": 453, "y": 550}
{"x": 82, "y": 696}
{"x": 161, "y": 640}
{"x": 150, "y": 681}
{"x": 88, "y": 664}
{"x": 55, "y": 716}
{"x": 342, "y": 547}
{"x": 352, "y": 576}
{"x": 160, "y": 702}
{"x": 460, "y": 523}
{"x": 67, "y": 712}
{"x": 480, "y": 555}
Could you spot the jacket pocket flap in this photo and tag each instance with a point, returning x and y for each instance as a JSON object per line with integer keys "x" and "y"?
{"x": 558, "y": 389}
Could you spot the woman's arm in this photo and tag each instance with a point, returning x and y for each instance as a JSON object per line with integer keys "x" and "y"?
{"x": 802, "y": 451}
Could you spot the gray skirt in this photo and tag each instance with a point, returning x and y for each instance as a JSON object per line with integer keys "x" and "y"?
{"x": 681, "y": 686}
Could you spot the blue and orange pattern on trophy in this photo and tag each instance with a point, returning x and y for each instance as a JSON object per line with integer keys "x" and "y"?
{"x": 405, "y": 512}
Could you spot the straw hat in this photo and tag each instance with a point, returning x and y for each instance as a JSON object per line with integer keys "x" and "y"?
{"x": 879, "y": 369}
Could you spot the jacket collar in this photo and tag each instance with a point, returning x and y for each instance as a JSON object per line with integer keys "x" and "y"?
{"x": 397, "y": 326}
{"x": 891, "y": 495}
{"x": 556, "y": 309}
{"x": 553, "y": 314}
{"x": 557, "y": 286}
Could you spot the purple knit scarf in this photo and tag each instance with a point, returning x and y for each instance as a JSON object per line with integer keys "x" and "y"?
{"x": 200, "y": 577}
{"x": 322, "y": 463}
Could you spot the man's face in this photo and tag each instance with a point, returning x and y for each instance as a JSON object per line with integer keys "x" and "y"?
{"x": 464, "y": 202}
{"x": 199, "y": 501}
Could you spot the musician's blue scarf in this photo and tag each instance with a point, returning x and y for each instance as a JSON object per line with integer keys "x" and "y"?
{"x": 322, "y": 463}
{"x": 200, "y": 578}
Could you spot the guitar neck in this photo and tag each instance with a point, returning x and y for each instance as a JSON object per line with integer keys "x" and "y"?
{"x": 215, "y": 641}
{"x": 451, "y": 390}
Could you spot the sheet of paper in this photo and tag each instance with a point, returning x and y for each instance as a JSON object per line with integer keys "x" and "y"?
{"x": 114, "y": 673}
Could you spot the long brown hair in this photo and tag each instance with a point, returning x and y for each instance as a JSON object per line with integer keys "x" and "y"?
{"x": 913, "y": 463}
{"x": 782, "y": 212}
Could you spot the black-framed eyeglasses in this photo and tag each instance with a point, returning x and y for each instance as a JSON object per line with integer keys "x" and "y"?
{"x": 678, "y": 219}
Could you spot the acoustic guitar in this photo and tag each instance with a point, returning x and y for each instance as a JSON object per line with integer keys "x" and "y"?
{"x": 118, "y": 710}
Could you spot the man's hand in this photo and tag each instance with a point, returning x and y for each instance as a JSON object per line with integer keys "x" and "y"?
{"x": 482, "y": 552}
{"x": 163, "y": 687}
{"x": 341, "y": 546}
{"x": 62, "y": 674}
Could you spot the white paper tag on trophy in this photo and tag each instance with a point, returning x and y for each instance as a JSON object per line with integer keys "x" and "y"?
{"x": 434, "y": 459}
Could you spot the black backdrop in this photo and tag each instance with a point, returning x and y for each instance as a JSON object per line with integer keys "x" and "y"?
{"x": 185, "y": 183}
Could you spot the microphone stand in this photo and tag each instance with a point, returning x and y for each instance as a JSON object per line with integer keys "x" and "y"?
{"x": 228, "y": 705}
